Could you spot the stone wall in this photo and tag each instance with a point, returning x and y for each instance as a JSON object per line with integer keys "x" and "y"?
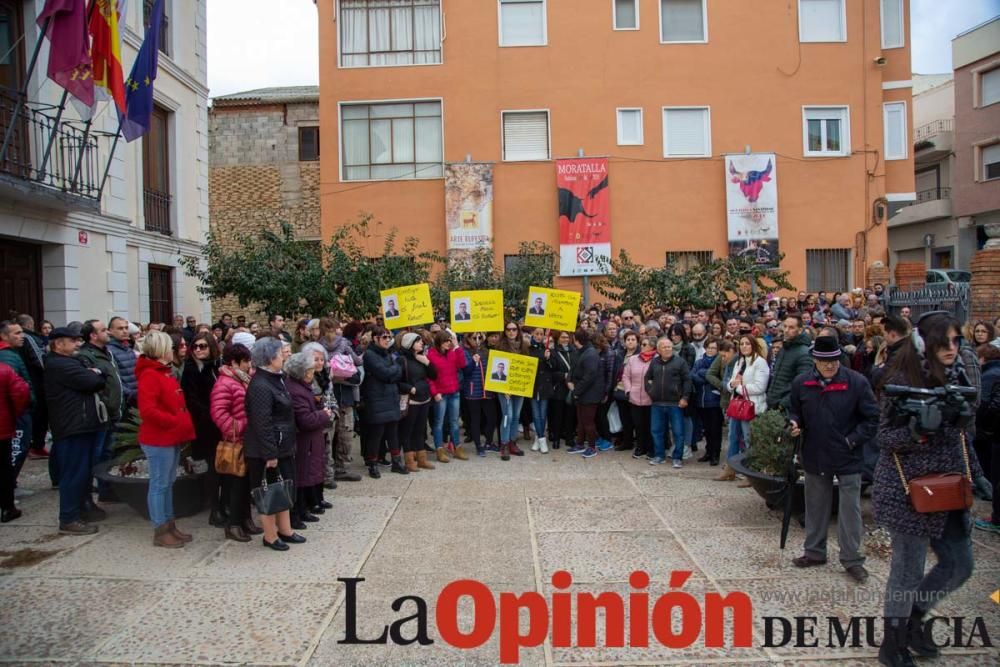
{"x": 256, "y": 180}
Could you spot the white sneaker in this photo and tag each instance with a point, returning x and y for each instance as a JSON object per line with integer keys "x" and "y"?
{"x": 687, "y": 453}
{"x": 677, "y": 464}
{"x": 543, "y": 445}
{"x": 534, "y": 447}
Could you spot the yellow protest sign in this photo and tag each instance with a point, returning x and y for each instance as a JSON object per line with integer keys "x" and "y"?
{"x": 552, "y": 309}
{"x": 477, "y": 310}
{"x": 407, "y": 306}
{"x": 510, "y": 373}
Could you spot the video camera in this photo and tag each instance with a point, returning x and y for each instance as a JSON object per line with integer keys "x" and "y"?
{"x": 930, "y": 410}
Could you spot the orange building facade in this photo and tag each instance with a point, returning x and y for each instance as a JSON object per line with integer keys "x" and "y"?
{"x": 825, "y": 85}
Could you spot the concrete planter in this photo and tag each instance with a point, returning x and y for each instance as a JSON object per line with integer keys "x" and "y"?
{"x": 189, "y": 498}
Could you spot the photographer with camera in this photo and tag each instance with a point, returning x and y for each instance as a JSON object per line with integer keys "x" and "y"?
{"x": 835, "y": 410}
{"x": 922, "y": 491}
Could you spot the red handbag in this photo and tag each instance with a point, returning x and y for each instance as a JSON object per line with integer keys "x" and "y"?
{"x": 939, "y": 492}
{"x": 740, "y": 407}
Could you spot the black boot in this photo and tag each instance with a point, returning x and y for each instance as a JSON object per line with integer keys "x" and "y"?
{"x": 892, "y": 652}
{"x": 398, "y": 467}
{"x": 373, "y": 470}
{"x": 919, "y": 636}
{"x": 217, "y": 519}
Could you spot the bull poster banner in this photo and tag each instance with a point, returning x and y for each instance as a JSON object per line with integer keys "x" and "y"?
{"x": 468, "y": 205}
{"x": 407, "y": 306}
{"x": 510, "y": 373}
{"x": 584, "y": 216}
{"x": 752, "y": 206}
{"x": 477, "y": 310}
{"x": 552, "y": 309}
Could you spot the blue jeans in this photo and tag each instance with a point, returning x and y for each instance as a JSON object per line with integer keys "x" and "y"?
{"x": 510, "y": 411}
{"x": 539, "y": 412}
{"x": 659, "y": 414}
{"x": 448, "y": 405}
{"x": 162, "y": 473}
{"x": 77, "y": 455}
{"x": 737, "y": 430}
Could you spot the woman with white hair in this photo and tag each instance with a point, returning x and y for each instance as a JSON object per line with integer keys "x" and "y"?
{"x": 269, "y": 439}
{"x": 312, "y": 419}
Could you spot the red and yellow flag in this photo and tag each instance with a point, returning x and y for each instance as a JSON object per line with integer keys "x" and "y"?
{"x": 106, "y": 50}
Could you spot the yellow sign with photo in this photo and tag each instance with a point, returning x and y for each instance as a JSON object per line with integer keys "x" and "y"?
{"x": 407, "y": 306}
{"x": 476, "y": 310}
{"x": 510, "y": 373}
{"x": 552, "y": 309}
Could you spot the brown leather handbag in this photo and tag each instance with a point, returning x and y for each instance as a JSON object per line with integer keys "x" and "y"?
{"x": 229, "y": 457}
{"x": 940, "y": 491}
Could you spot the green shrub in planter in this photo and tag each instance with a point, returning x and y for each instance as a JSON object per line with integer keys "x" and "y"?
{"x": 770, "y": 444}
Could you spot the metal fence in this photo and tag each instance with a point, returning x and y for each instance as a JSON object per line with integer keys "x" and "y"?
{"x": 928, "y": 130}
{"x": 953, "y": 297}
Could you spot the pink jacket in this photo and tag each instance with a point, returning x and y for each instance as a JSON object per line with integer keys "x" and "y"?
{"x": 228, "y": 405}
{"x": 447, "y": 367}
{"x": 634, "y": 380}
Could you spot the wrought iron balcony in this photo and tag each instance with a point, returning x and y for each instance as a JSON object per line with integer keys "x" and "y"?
{"x": 933, "y": 128}
{"x": 42, "y": 149}
{"x": 156, "y": 206}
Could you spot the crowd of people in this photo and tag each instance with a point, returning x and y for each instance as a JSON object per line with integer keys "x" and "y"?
{"x": 660, "y": 385}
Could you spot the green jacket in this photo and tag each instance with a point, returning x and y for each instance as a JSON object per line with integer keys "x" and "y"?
{"x": 95, "y": 357}
{"x": 9, "y": 356}
{"x": 793, "y": 360}
{"x": 716, "y": 376}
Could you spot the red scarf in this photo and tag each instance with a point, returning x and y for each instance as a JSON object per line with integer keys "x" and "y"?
{"x": 647, "y": 355}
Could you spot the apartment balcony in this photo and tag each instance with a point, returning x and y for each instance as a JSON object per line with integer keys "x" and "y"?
{"x": 932, "y": 204}
{"x": 156, "y": 207}
{"x": 44, "y": 159}
{"x": 933, "y": 141}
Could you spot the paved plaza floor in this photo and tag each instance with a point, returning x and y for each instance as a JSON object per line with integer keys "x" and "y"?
{"x": 113, "y": 598}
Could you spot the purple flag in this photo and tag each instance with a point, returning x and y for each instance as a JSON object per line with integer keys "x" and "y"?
{"x": 69, "y": 47}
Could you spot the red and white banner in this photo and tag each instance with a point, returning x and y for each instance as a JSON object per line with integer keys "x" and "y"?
{"x": 584, "y": 215}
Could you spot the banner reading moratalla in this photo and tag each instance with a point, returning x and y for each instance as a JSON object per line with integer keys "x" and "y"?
{"x": 468, "y": 205}
{"x": 752, "y": 206}
{"x": 584, "y": 215}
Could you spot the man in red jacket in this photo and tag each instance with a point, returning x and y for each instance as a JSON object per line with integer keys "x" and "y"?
{"x": 15, "y": 396}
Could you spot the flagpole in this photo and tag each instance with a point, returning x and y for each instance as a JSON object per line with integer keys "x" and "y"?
{"x": 111, "y": 157}
{"x": 55, "y": 131}
{"x": 86, "y": 127}
{"x": 23, "y": 93}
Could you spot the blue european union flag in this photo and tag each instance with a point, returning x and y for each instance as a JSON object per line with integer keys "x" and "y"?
{"x": 139, "y": 85}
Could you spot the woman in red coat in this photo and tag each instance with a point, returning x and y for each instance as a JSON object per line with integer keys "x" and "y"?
{"x": 311, "y": 421}
{"x": 228, "y": 411}
{"x": 15, "y": 396}
{"x": 166, "y": 427}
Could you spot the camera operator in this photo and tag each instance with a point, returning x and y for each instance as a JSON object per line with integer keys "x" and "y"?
{"x": 921, "y": 451}
{"x": 835, "y": 410}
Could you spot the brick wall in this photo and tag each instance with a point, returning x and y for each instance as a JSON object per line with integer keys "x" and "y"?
{"x": 256, "y": 179}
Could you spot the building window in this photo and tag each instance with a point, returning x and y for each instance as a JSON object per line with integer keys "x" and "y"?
{"x": 147, "y": 9}
{"x": 683, "y": 21}
{"x": 684, "y": 260}
{"x": 161, "y": 293}
{"x": 626, "y": 14}
{"x": 629, "y": 127}
{"x": 523, "y": 23}
{"x": 395, "y": 140}
{"x": 826, "y": 131}
{"x": 384, "y": 33}
{"x": 525, "y": 135}
{"x": 308, "y": 144}
{"x": 894, "y": 119}
{"x": 892, "y": 24}
{"x": 822, "y": 21}
{"x": 687, "y": 132}
{"x": 991, "y": 161}
{"x": 827, "y": 269}
{"x": 990, "y": 91}
{"x": 156, "y": 173}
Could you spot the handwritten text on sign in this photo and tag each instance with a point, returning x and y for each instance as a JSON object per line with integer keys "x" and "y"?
{"x": 407, "y": 306}
{"x": 552, "y": 308}
{"x": 510, "y": 373}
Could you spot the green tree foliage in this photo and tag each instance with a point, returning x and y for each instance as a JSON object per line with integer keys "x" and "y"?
{"x": 701, "y": 286}
{"x": 472, "y": 270}
{"x": 536, "y": 264}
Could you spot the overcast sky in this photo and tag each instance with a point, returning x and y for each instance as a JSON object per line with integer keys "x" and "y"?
{"x": 253, "y": 44}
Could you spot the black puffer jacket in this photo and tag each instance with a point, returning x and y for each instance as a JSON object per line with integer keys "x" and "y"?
{"x": 415, "y": 375}
{"x": 71, "y": 390}
{"x": 380, "y": 389}
{"x": 563, "y": 361}
{"x": 667, "y": 382}
{"x": 197, "y": 384}
{"x": 543, "y": 377}
{"x": 270, "y": 430}
{"x": 792, "y": 361}
{"x": 587, "y": 376}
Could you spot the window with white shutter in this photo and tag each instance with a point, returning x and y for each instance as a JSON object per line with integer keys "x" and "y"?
{"x": 894, "y": 120}
{"x": 629, "y": 127}
{"x": 822, "y": 21}
{"x": 892, "y": 24}
{"x": 687, "y": 132}
{"x": 523, "y": 22}
{"x": 626, "y": 14}
{"x": 683, "y": 21}
{"x": 525, "y": 135}
{"x": 990, "y": 82}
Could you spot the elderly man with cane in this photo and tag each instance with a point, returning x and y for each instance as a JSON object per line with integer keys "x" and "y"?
{"x": 835, "y": 411}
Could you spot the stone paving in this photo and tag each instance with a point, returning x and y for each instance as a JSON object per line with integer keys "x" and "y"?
{"x": 112, "y": 598}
